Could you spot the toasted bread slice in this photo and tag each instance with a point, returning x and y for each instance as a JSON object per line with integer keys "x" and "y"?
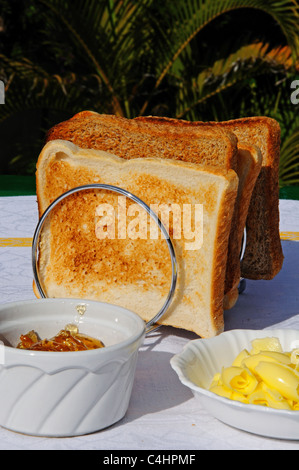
{"x": 131, "y": 138}
{"x": 135, "y": 273}
{"x": 249, "y": 166}
{"x": 249, "y": 162}
{"x": 164, "y": 138}
{"x": 263, "y": 256}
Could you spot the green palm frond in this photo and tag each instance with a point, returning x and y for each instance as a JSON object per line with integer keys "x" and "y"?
{"x": 236, "y": 70}
{"x": 100, "y": 34}
{"x": 192, "y": 16}
{"x": 134, "y": 57}
{"x": 289, "y": 158}
{"x": 82, "y": 42}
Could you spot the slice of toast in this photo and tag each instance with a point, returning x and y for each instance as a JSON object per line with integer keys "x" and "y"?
{"x": 170, "y": 139}
{"x": 263, "y": 256}
{"x": 249, "y": 162}
{"x": 135, "y": 272}
{"x": 249, "y": 166}
{"x": 133, "y": 138}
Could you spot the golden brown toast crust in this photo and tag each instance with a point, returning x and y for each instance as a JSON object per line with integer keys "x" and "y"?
{"x": 61, "y": 166}
{"x": 160, "y": 138}
{"x": 248, "y": 166}
{"x": 263, "y": 257}
{"x": 130, "y": 138}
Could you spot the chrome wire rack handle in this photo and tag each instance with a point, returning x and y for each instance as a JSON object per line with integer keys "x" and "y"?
{"x": 242, "y": 283}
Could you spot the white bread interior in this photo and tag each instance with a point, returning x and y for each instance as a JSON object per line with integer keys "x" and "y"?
{"x": 135, "y": 274}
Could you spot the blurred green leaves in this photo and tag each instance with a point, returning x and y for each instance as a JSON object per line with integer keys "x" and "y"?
{"x": 190, "y": 59}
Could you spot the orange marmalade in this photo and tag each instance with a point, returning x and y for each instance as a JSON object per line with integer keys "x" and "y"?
{"x": 68, "y": 339}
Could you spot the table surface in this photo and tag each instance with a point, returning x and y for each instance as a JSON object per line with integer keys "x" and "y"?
{"x": 162, "y": 414}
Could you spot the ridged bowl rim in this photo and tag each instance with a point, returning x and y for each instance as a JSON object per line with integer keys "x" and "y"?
{"x": 179, "y": 362}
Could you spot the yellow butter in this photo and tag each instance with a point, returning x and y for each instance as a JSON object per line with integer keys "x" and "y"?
{"x": 240, "y": 358}
{"x": 216, "y": 379}
{"x": 265, "y": 344}
{"x": 239, "y": 379}
{"x": 265, "y": 396}
{"x": 221, "y": 390}
{"x": 266, "y": 356}
{"x": 239, "y": 397}
{"x": 283, "y": 358}
{"x": 280, "y": 377}
{"x": 294, "y": 357}
{"x": 265, "y": 399}
{"x": 264, "y": 376}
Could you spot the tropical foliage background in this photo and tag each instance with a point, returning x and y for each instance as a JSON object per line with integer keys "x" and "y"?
{"x": 189, "y": 59}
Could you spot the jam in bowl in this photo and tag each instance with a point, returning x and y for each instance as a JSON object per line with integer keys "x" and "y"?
{"x": 67, "y": 393}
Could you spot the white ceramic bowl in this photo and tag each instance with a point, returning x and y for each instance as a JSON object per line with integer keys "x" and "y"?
{"x": 67, "y": 393}
{"x": 202, "y": 358}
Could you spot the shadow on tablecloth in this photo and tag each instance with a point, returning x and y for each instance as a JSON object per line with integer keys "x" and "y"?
{"x": 267, "y": 303}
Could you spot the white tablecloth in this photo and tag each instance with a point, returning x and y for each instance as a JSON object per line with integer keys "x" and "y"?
{"x": 162, "y": 413}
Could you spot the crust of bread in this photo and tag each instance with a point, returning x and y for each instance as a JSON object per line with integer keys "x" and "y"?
{"x": 248, "y": 166}
{"x": 263, "y": 256}
{"x": 198, "y": 303}
{"x": 166, "y": 138}
{"x": 131, "y": 138}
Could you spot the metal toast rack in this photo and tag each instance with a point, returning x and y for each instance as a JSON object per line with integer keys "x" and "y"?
{"x": 150, "y": 325}
{"x": 242, "y": 283}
